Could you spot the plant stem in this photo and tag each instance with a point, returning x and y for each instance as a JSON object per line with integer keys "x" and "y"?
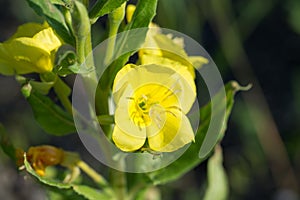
{"x": 115, "y": 19}
{"x": 62, "y": 95}
{"x": 92, "y": 173}
{"x": 80, "y": 48}
{"x": 119, "y": 184}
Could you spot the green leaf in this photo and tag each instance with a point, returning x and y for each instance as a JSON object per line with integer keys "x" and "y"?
{"x": 41, "y": 87}
{"x": 45, "y": 180}
{"x": 54, "y": 193}
{"x": 190, "y": 158}
{"x": 56, "y": 190}
{"x": 217, "y": 179}
{"x": 54, "y": 17}
{"x": 51, "y": 117}
{"x": 72, "y": 191}
{"x": 91, "y": 193}
{"x": 102, "y": 7}
{"x": 143, "y": 15}
{"x": 6, "y": 144}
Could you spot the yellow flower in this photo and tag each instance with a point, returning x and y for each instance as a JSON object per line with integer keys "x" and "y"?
{"x": 160, "y": 48}
{"x": 165, "y": 49}
{"x": 31, "y": 49}
{"x": 152, "y": 103}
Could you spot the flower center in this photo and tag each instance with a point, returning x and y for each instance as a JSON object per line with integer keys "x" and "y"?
{"x": 139, "y": 110}
{"x": 149, "y": 104}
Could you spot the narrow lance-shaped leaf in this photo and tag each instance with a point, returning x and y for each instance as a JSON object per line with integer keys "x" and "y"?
{"x": 190, "y": 158}
{"x": 51, "y": 117}
{"x": 143, "y": 15}
{"x": 217, "y": 179}
{"x": 73, "y": 191}
{"x": 91, "y": 193}
{"x": 54, "y": 17}
{"x": 102, "y": 7}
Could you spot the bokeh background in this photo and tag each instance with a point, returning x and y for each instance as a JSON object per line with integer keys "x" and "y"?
{"x": 251, "y": 41}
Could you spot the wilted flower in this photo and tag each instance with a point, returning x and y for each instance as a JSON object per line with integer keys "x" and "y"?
{"x": 152, "y": 103}
{"x": 41, "y": 157}
{"x": 31, "y": 49}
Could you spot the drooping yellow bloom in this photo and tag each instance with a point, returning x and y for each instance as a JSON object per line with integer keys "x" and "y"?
{"x": 31, "y": 49}
{"x": 152, "y": 103}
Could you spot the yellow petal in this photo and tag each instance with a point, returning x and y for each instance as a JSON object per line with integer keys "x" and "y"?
{"x": 31, "y": 49}
{"x": 126, "y": 142}
{"x": 187, "y": 71}
{"x": 176, "y": 133}
{"x": 179, "y": 82}
{"x": 23, "y": 56}
{"x": 124, "y": 122}
{"x": 6, "y": 63}
{"x": 129, "y": 12}
{"x": 29, "y": 30}
{"x": 198, "y": 61}
{"x": 47, "y": 39}
{"x": 28, "y": 50}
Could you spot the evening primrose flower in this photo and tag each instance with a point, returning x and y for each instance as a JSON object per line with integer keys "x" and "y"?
{"x": 169, "y": 50}
{"x": 151, "y": 106}
{"x": 31, "y": 49}
{"x": 159, "y": 48}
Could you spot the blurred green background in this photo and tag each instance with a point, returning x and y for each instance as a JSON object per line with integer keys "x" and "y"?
{"x": 251, "y": 41}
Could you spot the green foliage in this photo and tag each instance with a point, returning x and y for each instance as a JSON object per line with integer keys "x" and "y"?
{"x": 41, "y": 87}
{"x": 103, "y": 7}
{"x": 72, "y": 22}
{"x": 67, "y": 64}
{"x": 91, "y": 193}
{"x": 217, "y": 179}
{"x": 69, "y": 191}
{"x": 190, "y": 158}
{"x": 54, "y": 17}
{"x": 80, "y": 21}
{"x": 143, "y": 15}
{"x": 51, "y": 117}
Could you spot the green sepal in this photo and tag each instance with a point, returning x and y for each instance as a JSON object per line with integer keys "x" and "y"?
{"x": 42, "y": 87}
